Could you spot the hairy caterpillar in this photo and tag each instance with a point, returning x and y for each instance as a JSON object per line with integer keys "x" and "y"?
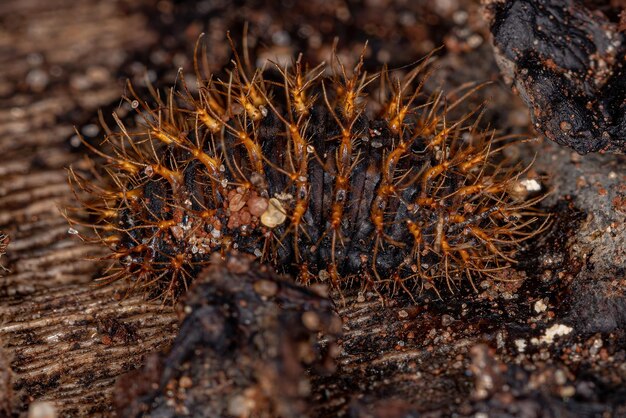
{"x": 324, "y": 173}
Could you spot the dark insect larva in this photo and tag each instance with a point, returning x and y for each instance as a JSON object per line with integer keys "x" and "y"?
{"x": 324, "y": 173}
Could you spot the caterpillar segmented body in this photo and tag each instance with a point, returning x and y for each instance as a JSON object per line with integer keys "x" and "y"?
{"x": 324, "y": 173}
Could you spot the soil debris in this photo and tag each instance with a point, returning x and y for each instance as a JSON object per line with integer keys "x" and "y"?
{"x": 248, "y": 345}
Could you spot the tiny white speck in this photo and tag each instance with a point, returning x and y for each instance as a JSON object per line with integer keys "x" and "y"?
{"x": 75, "y": 141}
{"x": 460, "y": 17}
{"x": 540, "y": 306}
{"x": 90, "y": 130}
{"x": 555, "y": 330}
{"x": 41, "y": 409}
{"x": 72, "y": 231}
{"x": 284, "y": 196}
{"x": 531, "y": 185}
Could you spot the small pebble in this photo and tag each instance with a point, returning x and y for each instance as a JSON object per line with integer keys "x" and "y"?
{"x": 311, "y": 321}
{"x": 274, "y": 215}
{"x": 540, "y": 306}
{"x": 185, "y": 382}
{"x": 40, "y": 409}
{"x": 266, "y": 288}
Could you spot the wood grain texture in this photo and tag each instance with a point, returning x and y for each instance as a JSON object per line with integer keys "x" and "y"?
{"x": 60, "y": 334}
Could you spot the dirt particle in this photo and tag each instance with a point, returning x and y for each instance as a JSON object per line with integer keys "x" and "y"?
{"x": 266, "y": 288}
{"x": 42, "y": 409}
{"x": 447, "y": 320}
{"x": 185, "y": 382}
{"x": 236, "y": 203}
{"x": 311, "y": 321}
{"x": 540, "y": 306}
{"x": 257, "y": 205}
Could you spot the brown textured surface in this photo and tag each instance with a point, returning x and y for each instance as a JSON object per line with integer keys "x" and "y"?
{"x": 53, "y": 60}
{"x": 248, "y": 347}
{"x": 433, "y": 358}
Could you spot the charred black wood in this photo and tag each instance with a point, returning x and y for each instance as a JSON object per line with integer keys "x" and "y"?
{"x": 567, "y": 63}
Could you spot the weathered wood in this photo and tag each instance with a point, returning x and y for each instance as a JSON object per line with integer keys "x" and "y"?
{"x": 61, "y": 335}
